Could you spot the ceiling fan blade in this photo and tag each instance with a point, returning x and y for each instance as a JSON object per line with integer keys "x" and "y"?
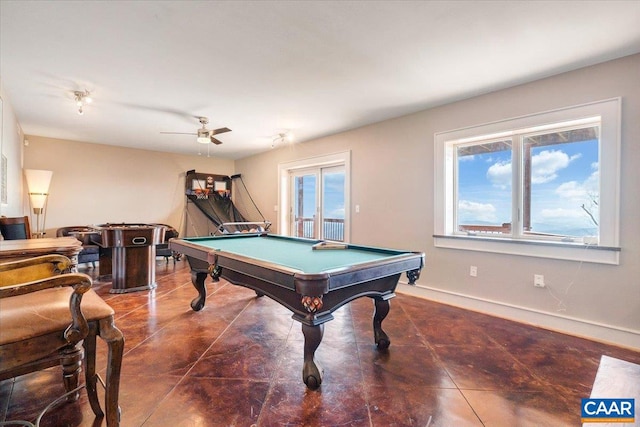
{"x": 220, "y": 130}
{"x": 179, "y": 133}
{"x": 215, "y": 141}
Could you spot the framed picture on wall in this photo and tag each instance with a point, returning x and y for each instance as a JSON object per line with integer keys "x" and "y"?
{"x": 3, "y": 184}
{"x": 3, "y": 166}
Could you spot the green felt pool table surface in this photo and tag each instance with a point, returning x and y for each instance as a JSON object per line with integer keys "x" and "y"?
{"x": 295, "y": 253}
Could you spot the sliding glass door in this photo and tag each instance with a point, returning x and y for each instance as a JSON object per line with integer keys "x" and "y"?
{"x": 304, "y": 204}
{"x": 317, "y": 203}
{"x": 333, "y": 203}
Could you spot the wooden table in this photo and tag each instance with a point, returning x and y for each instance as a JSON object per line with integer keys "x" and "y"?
{"x": 13, "y": 250}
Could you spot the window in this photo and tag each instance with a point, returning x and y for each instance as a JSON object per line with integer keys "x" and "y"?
{"x": 541, "y": 185}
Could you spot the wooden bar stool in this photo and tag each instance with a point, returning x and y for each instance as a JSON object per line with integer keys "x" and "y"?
{"x": 51, "y": 318}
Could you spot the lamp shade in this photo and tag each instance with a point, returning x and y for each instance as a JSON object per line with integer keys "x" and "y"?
{"x": 38, "y": 182}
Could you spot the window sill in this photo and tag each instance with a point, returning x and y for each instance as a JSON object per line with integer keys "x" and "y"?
{"x": 532, "y": 248}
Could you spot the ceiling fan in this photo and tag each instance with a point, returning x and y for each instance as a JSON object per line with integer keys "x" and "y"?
{"x": 205, "y": 135}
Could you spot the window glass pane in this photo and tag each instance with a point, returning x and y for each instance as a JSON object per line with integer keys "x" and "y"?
{"x": 304, "y": 205}
{"x": 484, "y": 187}
{"x": 561, "y": 183}
{"x": 333, "y": 204}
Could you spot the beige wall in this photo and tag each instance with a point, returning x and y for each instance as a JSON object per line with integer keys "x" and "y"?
{"x": 11, "y": 148}
{"x": 94, "y": 184}
{"x": 392, "y": 181}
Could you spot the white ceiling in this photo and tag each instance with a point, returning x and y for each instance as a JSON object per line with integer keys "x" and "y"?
{"x": 262, "y": 67}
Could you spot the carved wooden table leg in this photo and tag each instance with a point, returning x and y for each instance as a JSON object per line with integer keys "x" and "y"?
{"x": 115, "y": 343}
{"x": 115, "y": 348}
{"x": 90, "y": 369}
{"x": 197, "y": 279}
{"x": 311, "y": 374}
{"x": 381, "y": 310}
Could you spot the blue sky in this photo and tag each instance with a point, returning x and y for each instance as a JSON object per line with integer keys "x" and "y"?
{"x": 564, "y": 177}
{"x": 333, "y": 197}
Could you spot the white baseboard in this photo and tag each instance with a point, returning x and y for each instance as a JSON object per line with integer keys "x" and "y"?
{"x": 577, "y": 327}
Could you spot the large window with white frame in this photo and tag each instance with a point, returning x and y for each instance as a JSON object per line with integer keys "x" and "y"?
{"x": 540, "y": 185}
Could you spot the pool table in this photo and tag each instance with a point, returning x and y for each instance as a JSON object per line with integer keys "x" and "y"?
{"x": 311, "y": 283}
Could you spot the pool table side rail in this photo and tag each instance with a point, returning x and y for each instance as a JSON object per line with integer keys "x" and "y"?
{"x": 186, "y": 248}
{"x": 365, "y": 272}
{"x": 274, "y": 274}
{"x": 328, "y": 280}
{"x": 398, "y": 263}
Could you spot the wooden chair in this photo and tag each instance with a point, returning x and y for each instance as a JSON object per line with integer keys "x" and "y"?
{"x": 35, "y": 289}
{"x": 15, "y": 228}
{"x": 90, "y": 251}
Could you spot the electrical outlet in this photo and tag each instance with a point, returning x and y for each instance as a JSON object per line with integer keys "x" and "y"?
{"x": 538, "y": 281}
{"x": 473, "y": 271}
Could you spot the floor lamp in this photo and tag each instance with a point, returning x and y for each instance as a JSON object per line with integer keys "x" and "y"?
{"x": 38, "y": 183}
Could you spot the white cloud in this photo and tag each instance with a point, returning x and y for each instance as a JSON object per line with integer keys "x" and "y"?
{"x": 337, "y": 212}
{"x": 561, "y": 213}
{"x": 546, "y": 164}
{"x": 565, "y": 218}
{"x": 499, "y": 174}
{"x": 571, "y": 190}
{"x": 592, "y": 183}
{"x": 474, "y": 211}
{"x": 578, "y": 192}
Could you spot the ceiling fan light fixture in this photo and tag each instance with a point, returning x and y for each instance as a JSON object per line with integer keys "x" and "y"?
{"x": 282, "y": 137}
{"x": 203, "y": 136}
{"x": 289, "y": 136}
{"x": 82, "y": 98}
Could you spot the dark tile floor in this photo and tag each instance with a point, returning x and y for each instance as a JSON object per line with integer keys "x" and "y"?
{"x": 238, "y": 363}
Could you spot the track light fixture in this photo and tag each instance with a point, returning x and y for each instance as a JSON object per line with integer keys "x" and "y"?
{"x": 82, "y": 98}
{"x": 282, "y": 137}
